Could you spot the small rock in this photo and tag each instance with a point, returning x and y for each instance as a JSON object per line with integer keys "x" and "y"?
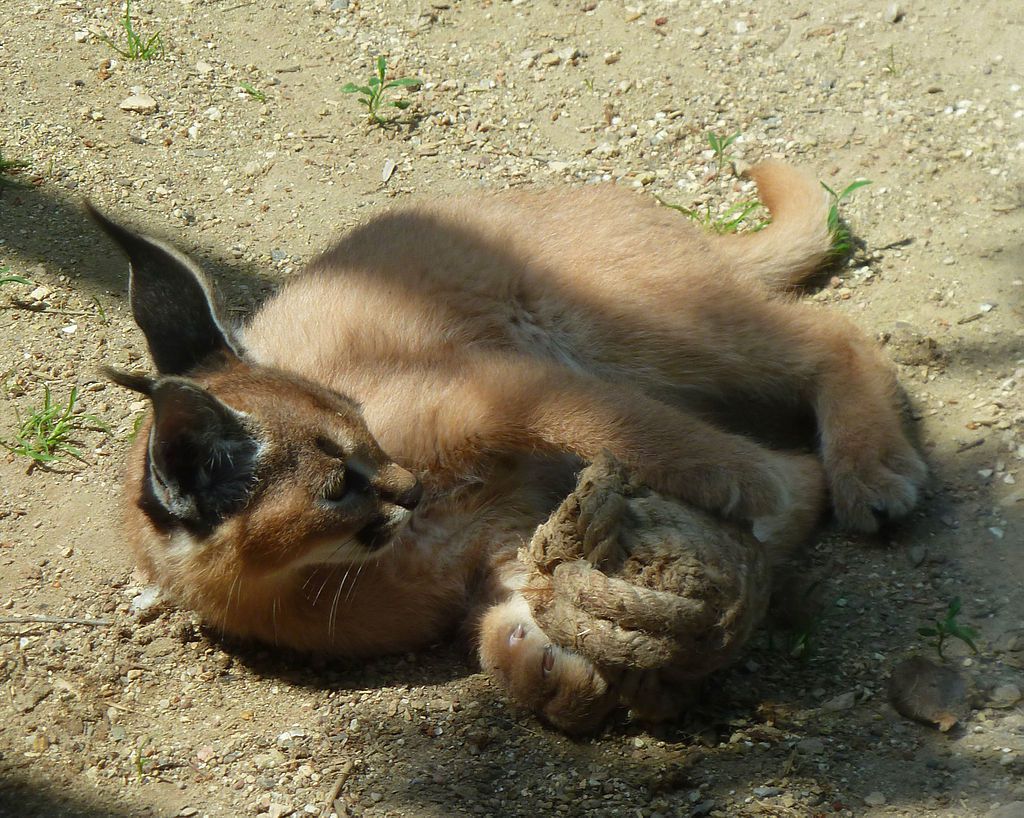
{"x": 279, "y": 810}
{"x": 924, "y": 691}
{"x": 81, "y": 36}
{"x": 213, "y": 114}
{"x": 740, "y": 27}
{"x": 139, "y": 104}
{"x": 144, "y": 600}
{"x": 204, "y": 67}
{"x": 766, "y": 792}
{"x": 702, "y": 808}
{"x": 26, "y": 700}
{"x": 893, "y": 14}
{"x": 917, "y": 554}
{"x": 285, "y": 738}
{"x": 1015, "y": 809}
{"x": 811, "y": 746}
{"x": 1004, "y": 696}
{"x": 875, "y": 799}
{"x": 844, "y": 701}
{"x": 268, "y": 760}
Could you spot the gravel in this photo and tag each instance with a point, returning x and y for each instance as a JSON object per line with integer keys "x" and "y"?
{"x": 145, "y": 712}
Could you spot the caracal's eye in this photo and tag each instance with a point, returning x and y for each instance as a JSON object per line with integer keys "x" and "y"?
{"x": 336, "y": 487}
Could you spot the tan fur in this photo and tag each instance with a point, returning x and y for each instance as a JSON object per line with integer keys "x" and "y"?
{"x": 494, "y": 344}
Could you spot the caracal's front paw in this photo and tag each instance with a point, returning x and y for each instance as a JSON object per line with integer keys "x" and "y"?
{"x": 559, "y": 685}
{"x": 800, "y": 503}
{"x": 875, "y": 482}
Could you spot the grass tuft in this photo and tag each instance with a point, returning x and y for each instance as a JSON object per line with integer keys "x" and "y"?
{"x": 739, "y": 216}
{"x": 6, "y": 279}
{"x": 842, "y": 239}
{"x": 253, "y": 91}
{"x": 47, "y": 434}
{"x": 373, "y": 94}
{"x": 136, "y": 47}
{"x": 719, "y": 145}
{"x": 949, "y": 627}
{"x": 8, "y": 167}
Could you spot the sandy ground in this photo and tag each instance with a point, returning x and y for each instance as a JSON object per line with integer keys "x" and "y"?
{"x": 106, "y": 711}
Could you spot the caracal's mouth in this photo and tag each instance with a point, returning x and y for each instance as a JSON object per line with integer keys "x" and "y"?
{"x": 366, "y": 544}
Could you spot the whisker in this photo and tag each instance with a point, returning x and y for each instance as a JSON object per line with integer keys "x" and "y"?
{"x": 273, "y": 616}
{"x": 334, "y": 605}
{"x": 359, "y": 570}
{"x": 313, "y": 573}
{"x": 235, "y": 583}
{"x": 334, "y": 568}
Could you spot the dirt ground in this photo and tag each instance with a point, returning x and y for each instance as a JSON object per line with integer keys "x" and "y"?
{"x": 106, "y": 709}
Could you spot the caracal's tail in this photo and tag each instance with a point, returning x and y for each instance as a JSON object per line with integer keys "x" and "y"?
{"x": 787, "y": 252}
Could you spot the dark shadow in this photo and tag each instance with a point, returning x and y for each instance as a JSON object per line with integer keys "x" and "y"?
{"x": 42, "y": 227}
{"x": 435, "y": 664}
{"x": 23, "y": 795}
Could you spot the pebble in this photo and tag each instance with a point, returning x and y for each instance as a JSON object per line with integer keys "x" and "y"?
{"x": 1006, "y": 695}
{"x": 144, "y": 600}
{"x": 893, "y": 13}
{"x": 811, "y": 746}
{"x": 766, "y": 792}
{"x": 270, "y": 759}
{"x": 139, "y": 104}
{"x": 874, "y": 799}
{"x": 844, "y": 701}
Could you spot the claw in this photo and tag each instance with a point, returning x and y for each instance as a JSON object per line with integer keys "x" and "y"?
{"x": 518, "y": 632}
{"x": 547, "y": 664}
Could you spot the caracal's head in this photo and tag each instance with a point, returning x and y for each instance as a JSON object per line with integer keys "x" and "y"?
{"x": 242, "y": 470}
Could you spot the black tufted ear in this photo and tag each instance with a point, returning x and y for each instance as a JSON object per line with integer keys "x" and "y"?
{"x": 202, "y": 454}
{"x": 171, "y": 300}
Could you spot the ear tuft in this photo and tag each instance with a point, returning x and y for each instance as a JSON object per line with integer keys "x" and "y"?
{"x": 135, "y": 381}
{"x": 171, "y": 300}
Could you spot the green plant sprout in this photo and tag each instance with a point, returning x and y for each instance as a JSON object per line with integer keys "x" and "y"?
{"x": 136, "y": 46}
{"x": 945, "y": 628}
{"x": 739, "y": 215}
{"x": 45, "y": 436}
{"x": 141, "y": 760}
{"x": 253, "y": 91}
{"x": 8, "y": 167}
{"x": 719, "y": 144}
{"x": 842, "y": 239}
{"x": 373, "y": 94}
{"x": 892, "y": 67}
{"x": 6, "y": 279}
